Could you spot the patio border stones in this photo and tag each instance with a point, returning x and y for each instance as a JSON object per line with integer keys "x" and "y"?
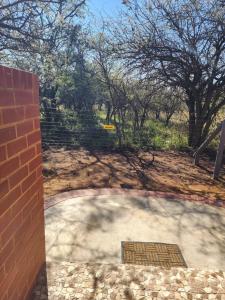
{"x": 53, "y": 200}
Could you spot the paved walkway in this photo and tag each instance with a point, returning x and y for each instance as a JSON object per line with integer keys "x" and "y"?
{"x": 69, "y": 281}
{"x": 90, "y": 228}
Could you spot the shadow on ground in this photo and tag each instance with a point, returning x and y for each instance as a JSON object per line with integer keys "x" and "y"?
{"x": 66, "y": 170}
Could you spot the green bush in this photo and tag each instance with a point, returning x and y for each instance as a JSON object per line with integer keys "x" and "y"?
{"x": 157, "y": 136}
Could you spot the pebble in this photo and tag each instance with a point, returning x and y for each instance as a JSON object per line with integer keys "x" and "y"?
{"x": 117, "y": 282}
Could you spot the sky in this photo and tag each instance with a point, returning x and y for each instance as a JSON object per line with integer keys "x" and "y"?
{"x": 104, "y": 7}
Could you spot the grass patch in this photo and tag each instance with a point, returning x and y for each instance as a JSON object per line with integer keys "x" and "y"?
{"x": 158, "y": 136}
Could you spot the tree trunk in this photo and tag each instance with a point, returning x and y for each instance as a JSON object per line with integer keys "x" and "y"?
{"x": 143, "y": 118}
{"x": 195, "y": 133}
{"x": 157, "y": 115}
{"x": 168, "y": 117}
{"x": 135, "y": 121}
{"x": 108, "y": 115}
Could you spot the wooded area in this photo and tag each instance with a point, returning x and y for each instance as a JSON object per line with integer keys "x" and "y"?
{"x": 156, "y": 71}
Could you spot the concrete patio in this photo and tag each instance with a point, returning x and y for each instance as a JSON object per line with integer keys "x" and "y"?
{"x": 90, "y": 228}
{"x": 84, "y": 230}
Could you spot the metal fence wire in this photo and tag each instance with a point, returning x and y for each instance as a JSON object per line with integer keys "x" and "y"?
{"x": 64, "y": 128}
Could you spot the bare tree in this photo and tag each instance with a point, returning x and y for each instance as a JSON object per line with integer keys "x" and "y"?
{"x": 167, "y": 101}
{"x": 25, "y": 25}
{"x": 181, "y": 43}
{"x": 141, "y": 95}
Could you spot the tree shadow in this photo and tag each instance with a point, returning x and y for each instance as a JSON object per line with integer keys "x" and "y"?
{"x": 102, "y": 216}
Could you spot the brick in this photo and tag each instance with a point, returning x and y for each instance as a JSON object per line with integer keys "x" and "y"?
{"x": 21, "y": 192}
{"x": 27, "y": 240}
{"x": 2, "y": 77}
{"x": 18, "y": 176}
{"x": 20, "y": 284}
{"x": 6, "y": 251}
{"x": 4, "y": 188}
{"x": 23, "y": 290}
{"x": 6, "y": 283}
{"x": 5, "y": 296}
{"x": 12, "y": 228}
{"x": 6, "y": 97}
{"x": 19, "y": 205}
{"x": 2, "y": 153}
{"x": 38, "y": 209}
{"x": 8, "y": 77}
{"x": 41, "y": 192}
{"x": 12, "y": 292}
{"x": 39, "y": 171}
{"x": 18, "y": 79}
{"x": 17, "y": 82}
{"x": 34, "y": 137}
{"x": 12, "y": 115}
{"x": 10, "y": 268}
{"x": 22, "y": 234}
{"x": 23, "y": 97}
{"x": 37, "y": 123}
{"x": 22, "y": 79}
{"x": 28, "y": 79}
{"x": 38, "y": 149}
{"x": 8, "y": 167}
{"x": 5, "y": 77}
{"x": 28, "y": 181}
{"x": 2, "y": 272}
{"x": 36, "y": 89}
{"x": 24, "y": 128}
{"x": 35, "y": 163}
{"x": 9, "y": 199}
{"x": 16, "y": 146}
{"x": 5, "y": 219}
{"x": 36, "y": 186}
{"x": 31, "y": 111}
{"x": 29, "y": 206}
{"x": 27, "y": 155}
{"x": 7, "y": 134}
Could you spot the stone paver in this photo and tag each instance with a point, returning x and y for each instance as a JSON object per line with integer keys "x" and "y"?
{"x": 71, "y": 281}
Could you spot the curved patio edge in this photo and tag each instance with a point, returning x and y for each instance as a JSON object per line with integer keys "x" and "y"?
{"x": 58, "y": 198}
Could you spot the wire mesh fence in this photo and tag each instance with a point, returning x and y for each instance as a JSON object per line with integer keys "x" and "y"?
{"x": 65, "y": 128}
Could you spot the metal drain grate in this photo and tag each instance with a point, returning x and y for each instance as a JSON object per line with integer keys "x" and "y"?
{"x": 152, "y": 254}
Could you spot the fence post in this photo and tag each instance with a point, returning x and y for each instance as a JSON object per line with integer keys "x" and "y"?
{"x": 219, "y": 156}
{"x": 205, "y": 143}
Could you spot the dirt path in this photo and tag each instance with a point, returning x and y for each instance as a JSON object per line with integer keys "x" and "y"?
{"x": 171, "y": 172}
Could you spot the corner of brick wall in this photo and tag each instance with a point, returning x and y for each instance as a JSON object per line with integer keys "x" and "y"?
{"x": 22, "y": 245}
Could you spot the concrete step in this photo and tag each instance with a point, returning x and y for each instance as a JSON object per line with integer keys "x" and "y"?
{"x": 87, "y": 281}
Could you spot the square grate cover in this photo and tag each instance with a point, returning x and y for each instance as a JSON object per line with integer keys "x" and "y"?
{"x": 152, "y": 254}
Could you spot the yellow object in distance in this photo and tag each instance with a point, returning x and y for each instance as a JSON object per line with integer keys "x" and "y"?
{"x": 109, "y": 127}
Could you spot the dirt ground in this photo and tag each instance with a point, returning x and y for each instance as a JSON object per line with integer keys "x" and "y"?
{"x": 170, "y": 172}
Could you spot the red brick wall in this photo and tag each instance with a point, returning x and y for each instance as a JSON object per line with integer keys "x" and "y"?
{"x": 22, "y": 251}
